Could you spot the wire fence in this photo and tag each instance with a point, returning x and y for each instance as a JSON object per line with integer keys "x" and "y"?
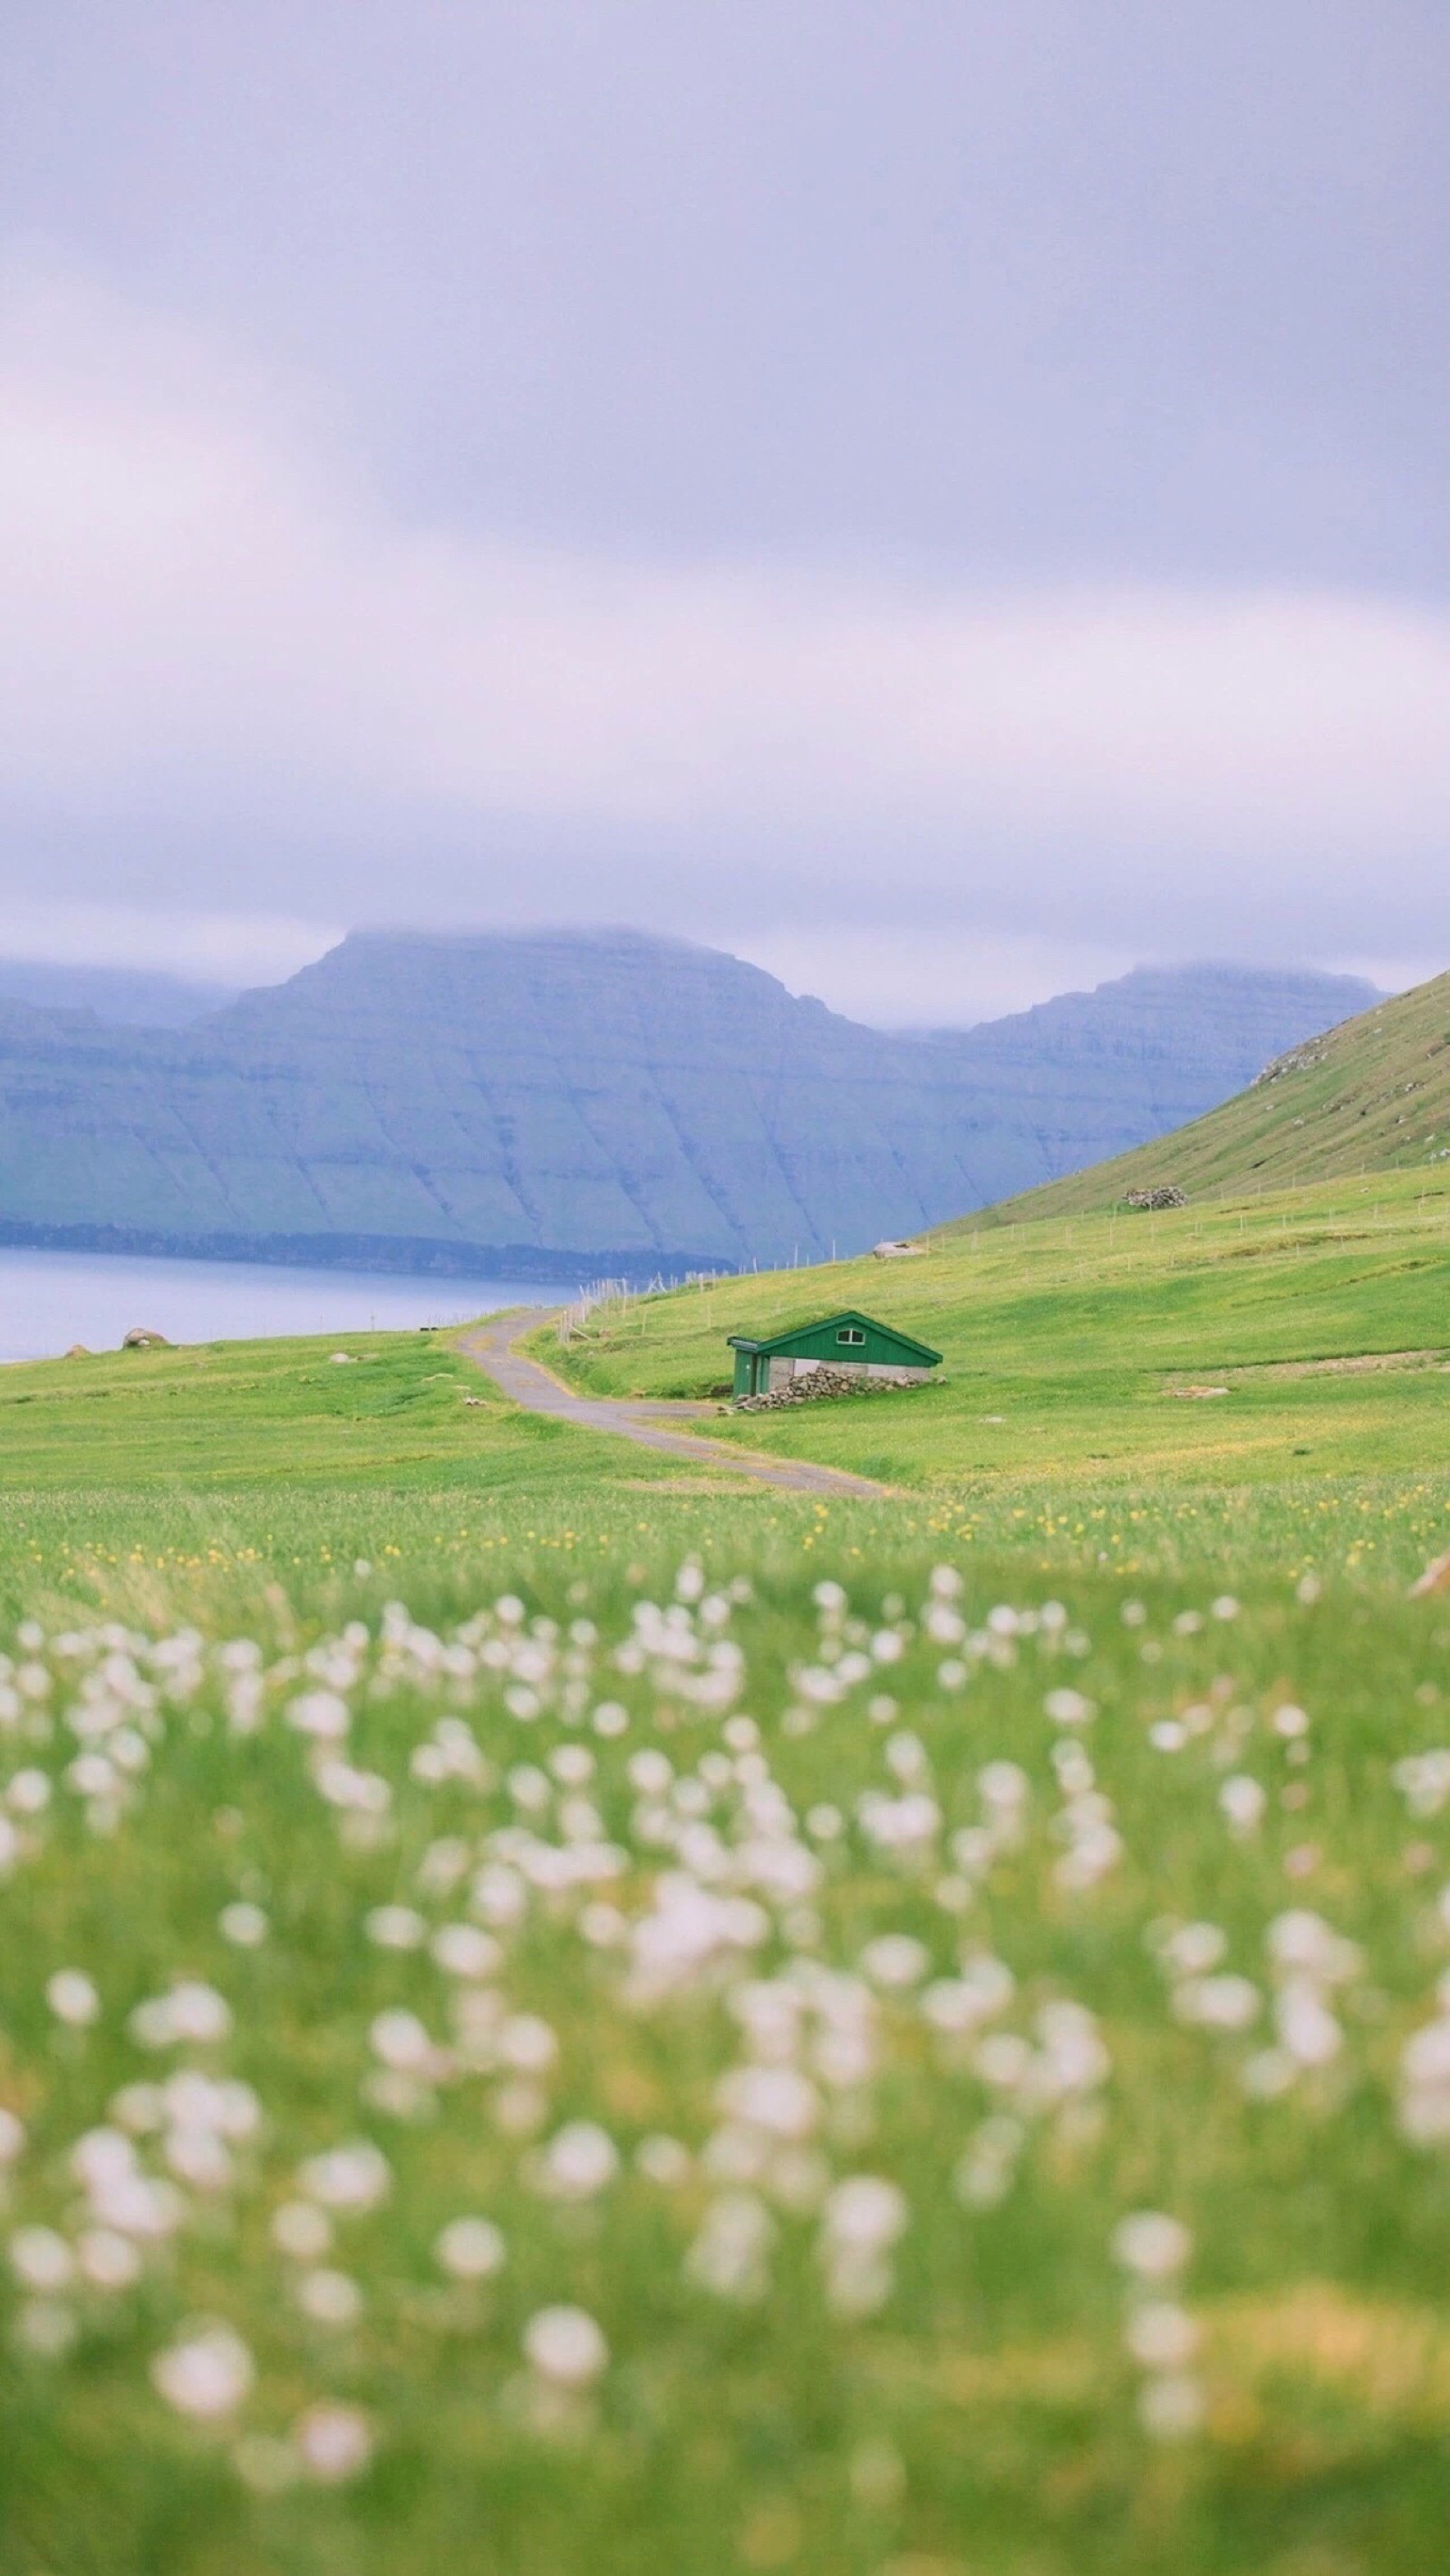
{"x": 612, "y": 1299}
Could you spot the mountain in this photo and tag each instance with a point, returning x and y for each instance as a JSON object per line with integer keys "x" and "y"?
{"x": 123, "y": 996}
{"x": 550, "y": 1104}
{"x": 1370, "y": 1095}
{"x": 1090, "y": 1074}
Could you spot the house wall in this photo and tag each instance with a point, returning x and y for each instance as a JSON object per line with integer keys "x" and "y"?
{"x": 782, "y": 1371}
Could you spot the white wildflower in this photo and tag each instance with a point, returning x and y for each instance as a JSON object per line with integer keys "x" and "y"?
{"x": 108, "y": 2260}
{"x": 664, "y": 2161}
{"x": 895, "y": 1959}
{"x": 73, "y": 1998}
{"x": 40, "y": 2259}
{"x": 776, "y": 2099}
{"x": 197, "y": 2156}
{"x": 465, "y": 1950}
{"x": 1151, "y": 2244}
{"x": 863, "y": 2215}
{"x": 395, "y": 1927}
{"x": 1307, "y": 2029}
{"x": 320, "y": 1714}
{"x": 1069, "y": 1708}
{"x": 1192, "y": 1949}
{"x": 401, "y": 2041}
{"x": 985, "y": 2172}
{"x": 329, "y": 2298}
{"x": 190, "y": 2011}
{"x": 350, "y": 2178}
{"x": 333, "y": 2443}
{"x": 955, "y": 2005}
{"x": 244, "y": 1924}
{"x": 498, "y": 1895}
{"x": 1243, "y": 1801}
{"x": 527, "y": 2044}
{"x": 301, "y": 2229}
{"x": 579, "y": 2161}
{"x": 471, "y": 2249}
{"x": 1161, "y": 2335}
{"x": 1301, "y": 1942}
{"x": 860, "y": 2223}
{"x": 730, "y": 2255}
{"x": 1218, "y": 2003}
{"x": 565, "y": 2346}
{"x": 207, "y": 2372}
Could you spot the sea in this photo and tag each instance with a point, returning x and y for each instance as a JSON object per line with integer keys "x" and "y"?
{"x": 50, "y": 1300}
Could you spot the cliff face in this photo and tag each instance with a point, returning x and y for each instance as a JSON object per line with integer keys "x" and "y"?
{"x": 1091, "y": 1074}
{"x": 551, "y": 1103}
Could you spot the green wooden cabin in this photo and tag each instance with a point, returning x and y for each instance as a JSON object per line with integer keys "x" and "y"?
{"x": 845, "y": 1341}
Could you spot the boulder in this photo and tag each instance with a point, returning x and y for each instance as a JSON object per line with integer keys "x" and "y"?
{"x": 139, "y": 1339}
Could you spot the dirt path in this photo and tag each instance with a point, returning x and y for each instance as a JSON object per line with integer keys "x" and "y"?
{"x": 494, "y": 1347}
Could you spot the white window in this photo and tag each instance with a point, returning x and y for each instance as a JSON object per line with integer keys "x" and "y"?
{"x": 851, "y": 1333}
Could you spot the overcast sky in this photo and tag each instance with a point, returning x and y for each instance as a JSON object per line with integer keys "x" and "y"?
{"x": 946, "y": 497}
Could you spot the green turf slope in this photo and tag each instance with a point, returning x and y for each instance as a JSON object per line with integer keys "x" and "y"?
{"x": 1372, "y": 1095}
{"x": 1074, "y": 1349}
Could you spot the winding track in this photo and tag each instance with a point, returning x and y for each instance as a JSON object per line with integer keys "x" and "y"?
{"x": 493, "y": 1346}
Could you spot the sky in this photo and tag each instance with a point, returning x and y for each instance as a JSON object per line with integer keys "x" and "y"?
{"x": 946, "y": 498}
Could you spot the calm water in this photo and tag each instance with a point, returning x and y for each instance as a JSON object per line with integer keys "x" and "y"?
{"x": 50, "y": 1299}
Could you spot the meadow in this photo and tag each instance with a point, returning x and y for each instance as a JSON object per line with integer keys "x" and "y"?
{"x": 1253, "y": 1346}
{"x": 588, "y": 2016}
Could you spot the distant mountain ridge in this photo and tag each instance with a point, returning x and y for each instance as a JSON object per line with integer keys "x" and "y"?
{"x": 122, "y": 996}
{"x": 550, "y": 1104}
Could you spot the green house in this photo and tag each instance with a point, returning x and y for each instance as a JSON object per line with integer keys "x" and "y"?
{"x": 845, "y": 1341}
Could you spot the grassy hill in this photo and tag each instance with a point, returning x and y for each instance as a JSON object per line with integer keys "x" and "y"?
{"x": 1373, "y": 1095}
{"x": 884, "y": 1972}
{"x": 1073, "y": 1351}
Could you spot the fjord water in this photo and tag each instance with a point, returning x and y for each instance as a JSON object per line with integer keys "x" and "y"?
{"x": 48, "y": 1300}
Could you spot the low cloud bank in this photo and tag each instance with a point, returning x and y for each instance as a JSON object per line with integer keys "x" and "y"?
{"x": 214, "y": 633}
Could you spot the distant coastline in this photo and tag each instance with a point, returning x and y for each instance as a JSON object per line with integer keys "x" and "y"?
{"x": 387, "y": 1255}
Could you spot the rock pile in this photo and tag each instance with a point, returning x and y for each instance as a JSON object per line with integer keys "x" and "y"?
{"x": 1167, "y": 1195}
{"x": 818, "y": 1386}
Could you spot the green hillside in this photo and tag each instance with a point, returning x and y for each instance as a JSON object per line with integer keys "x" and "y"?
{"x": 499, "y": 1936}
{"x": 1373, "y": 1095}
{"x": 1073, "y": 1351}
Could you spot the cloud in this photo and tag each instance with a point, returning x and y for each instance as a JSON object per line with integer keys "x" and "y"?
{"x": 205, "y": 947}
{"x": 913, "y": 978}
{"x": 215, "y": 634}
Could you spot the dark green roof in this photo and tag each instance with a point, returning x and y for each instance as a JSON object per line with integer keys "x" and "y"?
{"x": 784, "y": 1345}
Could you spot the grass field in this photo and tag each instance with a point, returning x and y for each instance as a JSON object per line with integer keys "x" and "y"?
{"x": 589, "y": 2019}
{"x": 1072, "y": 1354}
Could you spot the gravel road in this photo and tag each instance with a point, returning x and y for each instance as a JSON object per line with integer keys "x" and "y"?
{"x": 494, "y": 1346}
